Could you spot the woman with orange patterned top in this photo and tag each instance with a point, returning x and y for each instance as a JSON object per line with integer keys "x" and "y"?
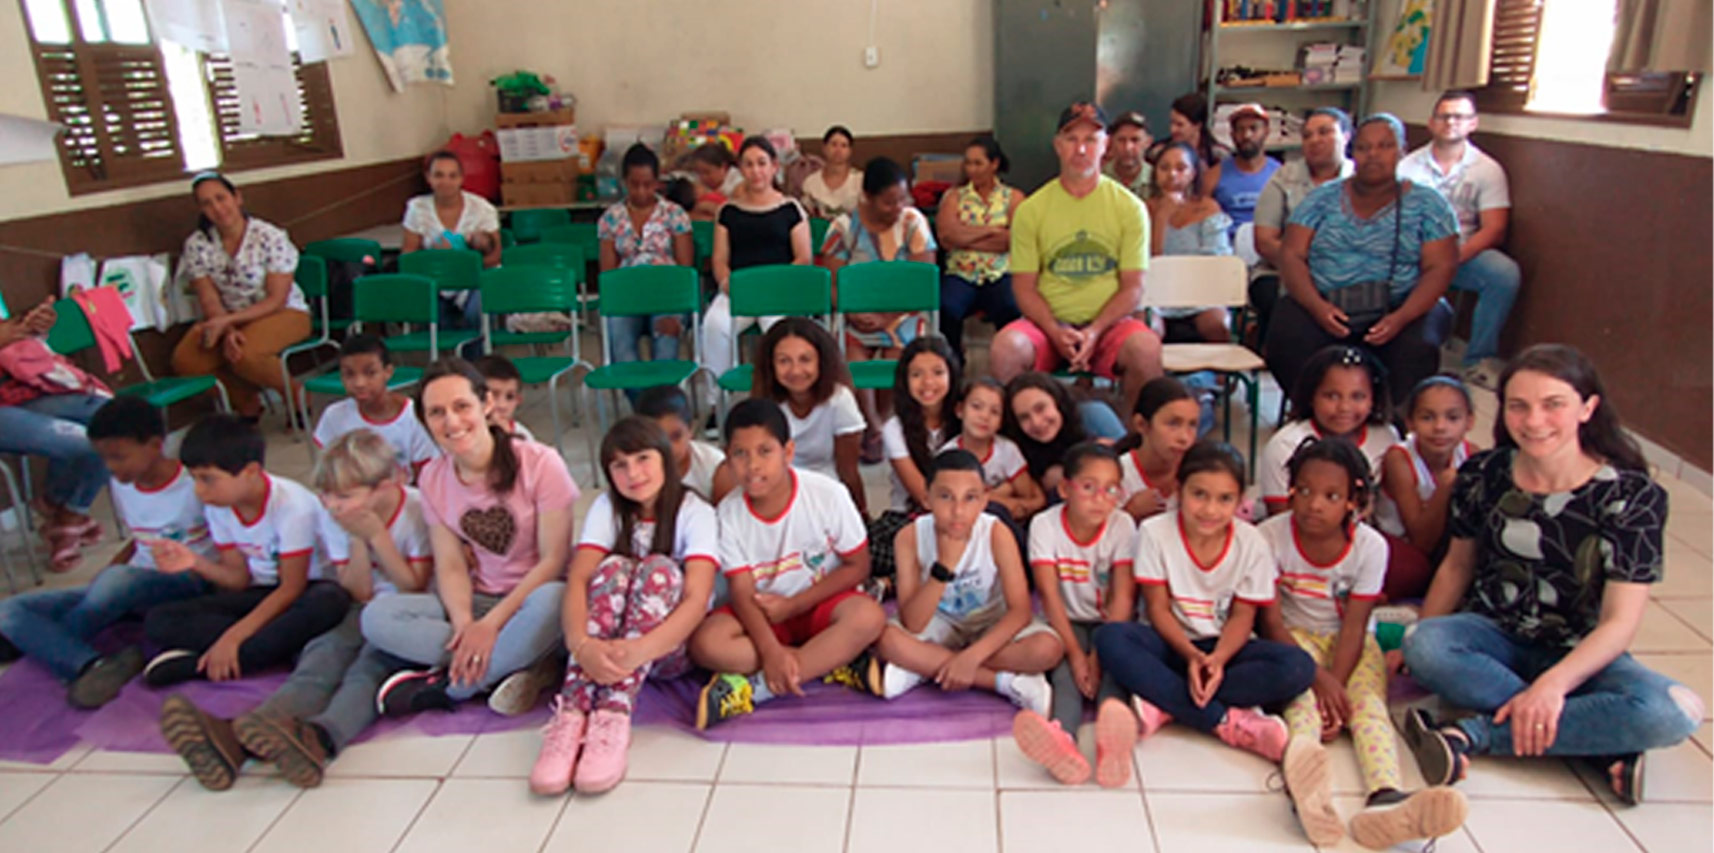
{"x": 974, "y": 224}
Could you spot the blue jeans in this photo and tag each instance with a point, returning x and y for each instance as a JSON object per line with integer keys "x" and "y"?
{"x": 961, "y": 297}
{"x": 52, "y": 426}
{"x": 1263, "y": 672}
{"x": 54, "y": 627}
{"x": 627, "y": 332}
{"x": 1471, "y": 662}
{"x": 414, "y": 626}
{"x": 1099, "y": 420}
{"x": 1494, "y": 278}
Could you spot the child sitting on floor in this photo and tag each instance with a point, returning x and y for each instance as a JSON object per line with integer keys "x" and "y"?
{"x": 506, "y": 389}
{"x": 1082, "y": 550}
{"x": 156, "y": 499}
{"x": 1004, "y": 468}
{"x": 366, "y": 369}
{"x": 701, "y": 465}
{"x": 373, "y": 531}
{"x": 794, "y": 549}
{"x": 964, "y": 605}
{"x": 1163, "y": 427}
{"x": 639, "y": 585}
{"x": 265, "y": 607}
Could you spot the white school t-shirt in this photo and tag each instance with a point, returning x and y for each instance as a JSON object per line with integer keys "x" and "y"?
{"x": 169, "y": 512}
{"x": 410, "y": 532}
{"x": 1133, "y": 480}
{"x": 1202, "y": 595}
{"x": 1003, "y": 463}
{"x": 1373, "y": 440}
{"x": 1085, "y": 569}
{"x": 1312, "y": 595}
{"x": 521, "y": 431}
{"x": 1387, "y": 516}
{"x": 411, "y": 443}
{"x": 787, "y": 554}
{"x": 974, "y": 596}
{"x": 286, "y": 528}
{"x": 814, "y": 434}
{"x": 705, "y": 459}
{"x": 695, "y": 535}
{"x": 893, "y": 446}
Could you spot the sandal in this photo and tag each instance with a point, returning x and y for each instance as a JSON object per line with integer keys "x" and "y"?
{"x": 65, "y": 553}
{"x": 1624, "y": 776}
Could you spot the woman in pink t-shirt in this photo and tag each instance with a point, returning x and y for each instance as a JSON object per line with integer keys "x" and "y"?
{"x": 499, "y": 514}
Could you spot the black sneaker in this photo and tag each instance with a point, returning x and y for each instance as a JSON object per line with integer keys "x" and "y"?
{"x": 9, "y": 652}
{"x": 1623, "y": 774}
{"x": 413, "y": 691}
{"x": 862, "y": 674}
{"x": 174, "y": 666}
{"x": 1439, "y": 753}
{"x": 102, "y": 680}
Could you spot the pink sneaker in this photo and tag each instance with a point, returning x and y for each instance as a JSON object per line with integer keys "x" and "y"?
{"x": 604, "y": 752}
{"x": 560, "y": 741}
{"x": 1045, "y": 743}
{"x": 1150, "y": 719}
{"x": 1115, "y": 736}
{"x": 1248, "y": 729}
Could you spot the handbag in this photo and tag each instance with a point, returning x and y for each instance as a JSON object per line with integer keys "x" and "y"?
{"x": 1366, "y": 302}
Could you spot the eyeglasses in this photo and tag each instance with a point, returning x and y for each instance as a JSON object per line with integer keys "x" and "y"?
{"x": 1452, "y": 117}
{"x": 1092, "y": 489}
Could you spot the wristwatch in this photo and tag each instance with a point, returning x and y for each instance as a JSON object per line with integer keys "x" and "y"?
{"x": 941, "y": 573}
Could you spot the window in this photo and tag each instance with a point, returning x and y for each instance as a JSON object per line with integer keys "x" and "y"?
{"x": 140, "y": 111}
{"x": 1549, "y": 57}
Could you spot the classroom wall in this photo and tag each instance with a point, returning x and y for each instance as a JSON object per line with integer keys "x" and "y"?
{"x": 1407, "y": 100}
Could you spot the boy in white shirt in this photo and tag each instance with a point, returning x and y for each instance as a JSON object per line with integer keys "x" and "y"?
{"x": 506, "y": 390}
{"x": 794, "y": 549}
{"x": 265, "y": 607}
{"x": 701, "y": 465}
{"x": 366, "y": 369}
{"x": 155, "y": 497}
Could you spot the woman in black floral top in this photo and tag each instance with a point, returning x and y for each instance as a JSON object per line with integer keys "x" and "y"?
{"x": 1556, "y": 537}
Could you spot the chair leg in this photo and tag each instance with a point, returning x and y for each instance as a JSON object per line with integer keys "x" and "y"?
{"x": 1226, "y": 407}
{"x": 1254, "y": 397}
{"x": 225, "y": 401}
{"x": 26, "y": 523}
{"x": 553, "y": 410}
{"x": 589, "y": 439}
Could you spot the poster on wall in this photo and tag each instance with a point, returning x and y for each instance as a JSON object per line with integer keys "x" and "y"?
{"x": 262, "y": 69}
{"x": 409, "y": 37}
{"x": 1404, "y": 46}
{"x": 196, "y": 24}
{"x": 322, "y": 29}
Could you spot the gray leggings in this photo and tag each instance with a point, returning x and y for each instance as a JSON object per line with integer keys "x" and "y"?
{"x": 414, "y": 627}
{"x": 335, "y": 681}
{"x": 1067, "y": 699}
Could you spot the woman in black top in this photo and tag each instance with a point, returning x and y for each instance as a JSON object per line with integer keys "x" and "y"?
{"x": 759, "y": 225}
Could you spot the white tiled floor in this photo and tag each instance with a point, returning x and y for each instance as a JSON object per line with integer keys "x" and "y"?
{"x": 687, "y": 794}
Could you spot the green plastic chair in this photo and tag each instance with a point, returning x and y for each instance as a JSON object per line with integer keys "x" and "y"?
{"x": 354, "y": 250}
{"x": 392, "y": 298}
{"x": 71, "y": 334}
{"x": 507, "y": 241}
{"x": 642, "y": 291}
{"x": 527, "y": 225}
{"x": 882, "y": 286}
{"x": 311, "y": 278}
{"x": 521, "y": 289}
{"x": 702, "y": 233}
{"x": 563, "y": 255}
{"x": 818, "y": 232}
{"x": 583, "y": 234}
{"x": 452, "y": 269}
{"x": 774, "y": 290}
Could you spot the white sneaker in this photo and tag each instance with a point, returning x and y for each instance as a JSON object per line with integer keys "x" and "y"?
{"x": 1031, "y": 693}
{"x": 519, "y": 692}
{"x": 896, "y": 681}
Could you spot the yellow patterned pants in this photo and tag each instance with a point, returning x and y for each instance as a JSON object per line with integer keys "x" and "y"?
{"x": 1371, "y": 728}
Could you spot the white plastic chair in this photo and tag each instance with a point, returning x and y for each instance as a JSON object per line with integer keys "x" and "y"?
{"x": 1244, "y": 244}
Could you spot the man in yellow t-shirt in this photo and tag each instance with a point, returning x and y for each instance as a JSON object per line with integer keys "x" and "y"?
{"x": 1079, "y": 249}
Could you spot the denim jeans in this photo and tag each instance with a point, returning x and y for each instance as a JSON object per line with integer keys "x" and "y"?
{"x": 1471, "y": 662}
{"x": 52, "y": 426}
{"x": 415, "y": 627}
{"x": 1099, "y": 420}
{"x": 335, "y": 681}
{"x": 54, "y": 627}
{"x": 960, "y": 297}
{"x": 1263, "y": 673}
{"x": 1494, "y": 278}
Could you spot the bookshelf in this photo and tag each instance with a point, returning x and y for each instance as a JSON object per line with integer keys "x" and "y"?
{"x": 1273, "y": 44}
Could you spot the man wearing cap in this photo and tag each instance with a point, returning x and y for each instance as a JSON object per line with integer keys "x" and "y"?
{"x": 1079, "y": 249}
{"x": 1127, "y": 139}
{"x": 1243, "y": 176}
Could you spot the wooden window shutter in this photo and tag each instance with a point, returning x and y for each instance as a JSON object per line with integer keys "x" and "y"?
{"x": 1511, "y": 64}
{"x": 117, "y": 111}
{"x": 319, "y": 139}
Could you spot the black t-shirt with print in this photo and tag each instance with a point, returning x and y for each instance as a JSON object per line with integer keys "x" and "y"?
{"x": 1542, "y": 561}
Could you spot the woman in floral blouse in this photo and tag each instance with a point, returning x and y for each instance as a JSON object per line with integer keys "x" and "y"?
{"x": 1556, "y": 539}
{"x": 240, "y": 269}
{"x": 974, "y": 222}
{"x": 645, "y": 229}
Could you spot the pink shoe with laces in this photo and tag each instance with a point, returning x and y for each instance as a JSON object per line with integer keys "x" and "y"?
{"x": 1253, "y": 731}
{"x": 1150, "y": 718}
{"x": 561, "y": 739}
{"x": 604, "y": 752}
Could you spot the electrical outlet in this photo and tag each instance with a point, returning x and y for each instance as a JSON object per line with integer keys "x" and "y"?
{"x": 871, "y": 57}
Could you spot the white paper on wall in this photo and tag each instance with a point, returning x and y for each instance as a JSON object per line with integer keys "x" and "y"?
{"x": 323, "y": 30}
{"x": 262, "y": 69}
{"x": 25, "y": 140}
{"x": 196, "y": 24}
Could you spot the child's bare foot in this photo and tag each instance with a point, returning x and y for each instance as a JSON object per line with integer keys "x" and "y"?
{"x": 1045, "y": 743}
{"x": 1115, "y": 736}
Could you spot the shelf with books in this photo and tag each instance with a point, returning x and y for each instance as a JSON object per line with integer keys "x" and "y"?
{"x": 1229, "y": 27}
{"x": 1313, "y": 87}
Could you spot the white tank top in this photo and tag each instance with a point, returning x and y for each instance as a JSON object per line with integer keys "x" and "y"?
{"x": 974, "y": 594}
{"x": 1387, "y": 516}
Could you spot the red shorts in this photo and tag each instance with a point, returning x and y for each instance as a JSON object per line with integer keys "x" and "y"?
{"x": 1106, "y": 347}
{"x": 800, "y": 628}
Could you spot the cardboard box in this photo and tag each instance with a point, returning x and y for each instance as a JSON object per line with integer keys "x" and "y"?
{"x": 537, "y": 195}
{"x": 938, "y": 167}
{"x": 550, "y": 118}
{"x": 538, "y": 143}
{"x": 541, "y": 171}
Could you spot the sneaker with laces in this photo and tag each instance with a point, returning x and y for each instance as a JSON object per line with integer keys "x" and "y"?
{"x": 293, "y": 745}
{"x": 1254, "y": 731}
{"x": 1044, "y": 742}
{"x": 862, "y": 674}
{"x": 896, "y": 681}
{"x": 562, "y": 737}
{"x": 102, "y": 680}
{"x": 204, "y": 741}
{"x": 1150, "y": 718}
{"x": 1441, "y": 752}
{"x": 173, "y": 666}
{"x": 1115, "y": 737}
{"x": 1031, "y": 693}
{"x": 605, "y": 748}
{"x": 1309, "y": 783}
{"x": 518, "y": 693}
{"x": 725, "y": 696}
{"x": 1394, "y": 817}
{"x": 413, "y": 691}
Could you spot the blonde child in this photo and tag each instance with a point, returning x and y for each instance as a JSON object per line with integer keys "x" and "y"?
{"x": 1330, "y": 574}
{"x": 1082, "y": 552}
{"x": 1417, "y": 473}
{"x": 1163, "y": 427}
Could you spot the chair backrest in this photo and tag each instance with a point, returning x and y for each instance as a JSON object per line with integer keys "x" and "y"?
{"x": 793, "y": 290}
{"x": 1244, "y": 244}
{"x": 702, "y": 234}
{"x": 311, "y": 276}
{"x": 644, "y": 290}
{"x": 527, "y": 225}
{"x": 71, "y": 332}
{"x": 395, "y": 298}
{"x": 818, "y": 232}
{"x": 563, "y": 256}
{"x": 1191, "y": 281}
{"x": 507, "y": 241}
{"x": 520, "y": 288}
{"x": 348, "y": 249}
{"x": 889, "y": 286}
{"x": 452, "y": 269}
{"x": 5, "y": 313}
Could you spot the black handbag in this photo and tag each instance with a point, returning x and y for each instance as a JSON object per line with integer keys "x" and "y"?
{"x": 1365, "y": 303}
